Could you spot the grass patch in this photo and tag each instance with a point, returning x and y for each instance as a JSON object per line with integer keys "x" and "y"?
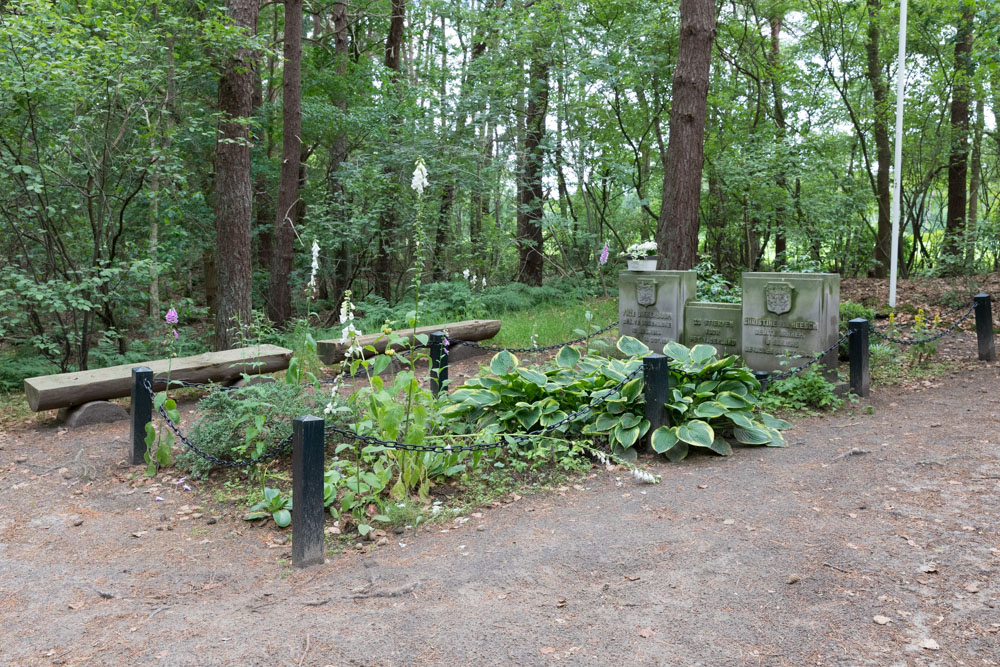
{"x": 554, "y": 323}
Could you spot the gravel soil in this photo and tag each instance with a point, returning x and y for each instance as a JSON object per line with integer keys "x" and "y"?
{"x": 873, "y": 539}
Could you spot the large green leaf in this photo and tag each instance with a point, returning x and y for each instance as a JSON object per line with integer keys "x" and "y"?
{"x": 626, "y": 453}
{"x": 709, "y": 410}
{"x": 528, "y": 416}
{"x": 741, "y": 419}
{"x": 678, "y": 452}
{"x": 697, "y": 433}
{"x": 632, "y": 347}
{"x": 731, "y": 400}
{"x": 503, "y": 363}
{"x": 774, "y": 422}
{"x": 567, "y": 357}
{"x": 702, "y": 353}
{"x": 606, "y": 422}
{"x": 380, "y": 363}
{"x": 533, "y": 376}
{"x": 777, "y": 440}
{"x": 663, "y": 438}
{"x": 628, "y": 436}
{"x": 677, "y": 352}
{"x": 752, "y": 436}
{"x": 630, "y": 419}
{"x": 721, "y": 446}
{"x": 631, "y": 391}
{"x": 734, "y": 386}
{"x": 282, "y": 518}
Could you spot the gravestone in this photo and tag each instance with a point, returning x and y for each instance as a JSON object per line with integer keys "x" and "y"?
{"x": 651, "y": 305}
{"x": 789, "y": 317}
{"x": 716, "y": 324}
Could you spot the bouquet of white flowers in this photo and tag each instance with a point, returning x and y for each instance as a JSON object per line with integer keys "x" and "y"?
{"x": 640, "y": 250}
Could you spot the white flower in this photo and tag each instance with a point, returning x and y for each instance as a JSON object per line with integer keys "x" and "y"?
{"x": 474, "y": 279}
{"x": 484, "y": 282}
{"x": 328, "y": 409}
{"x": 315, "y": 267}
{"x": 640, "y": 250}
{"x": 419, "y": 181}
{"x": 346, "y": 308}
{"x": 465, "y": 274}
{"x": 645, "y": 476}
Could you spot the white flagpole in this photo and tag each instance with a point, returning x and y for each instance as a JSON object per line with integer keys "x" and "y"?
{"x": 898, "y": 166}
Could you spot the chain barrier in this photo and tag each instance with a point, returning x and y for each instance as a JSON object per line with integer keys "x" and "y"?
{"x": 784, "y": 375}
{"x": 495, "y": 348}
{"x": 880, "y": 332}
{"x": 515, "y": 437}
{"x": 271, "y": 453}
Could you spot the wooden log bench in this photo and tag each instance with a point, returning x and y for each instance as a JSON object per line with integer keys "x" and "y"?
{"x": 67, "y": 390}
{"x": 333, "y": 351}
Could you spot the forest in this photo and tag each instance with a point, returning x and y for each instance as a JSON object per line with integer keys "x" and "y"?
{"x": 255, "y": 162}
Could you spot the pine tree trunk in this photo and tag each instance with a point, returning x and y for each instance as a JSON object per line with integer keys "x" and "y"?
{"x": 279, "y": 306}
{"x": 677, "y": 226}
{"x": 233, "y": 192}
{"x": 529, "y": 218}
{"x": 958, "y": 159}
{"x": 880, "y": 130}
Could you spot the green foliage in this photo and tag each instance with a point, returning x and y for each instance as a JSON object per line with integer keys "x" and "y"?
{"x": 243, "y": 422}
{"x": 713, "y": 286}
{"x": 808, "y": 390}
{"x": 274, "y": 505}
{"x": 850, "y": 310}
{"x": 711, "y": 398}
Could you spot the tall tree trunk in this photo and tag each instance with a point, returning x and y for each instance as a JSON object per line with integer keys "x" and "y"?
{"x": 388, "y": 219}
{"x": 279, "y": 306}
{"x": 880, "y": 130}
{"x": 975, "y": 181}
{"x": 531, "y": 195}
{"x": 780, "y": 242}
{"x": 233, "y": 191}
{"x": 677, "y": 225}
{"x": 958, "y": 159}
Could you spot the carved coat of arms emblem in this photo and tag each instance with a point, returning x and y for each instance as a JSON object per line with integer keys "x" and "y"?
{"x": 778, "y": 297}
{"x": 645, "y": 292}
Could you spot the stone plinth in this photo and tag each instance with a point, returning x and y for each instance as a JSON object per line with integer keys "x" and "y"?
{"x": 716, "y": 324}
{"x": 789, "y": 315}
{"x": 651, "y": 305}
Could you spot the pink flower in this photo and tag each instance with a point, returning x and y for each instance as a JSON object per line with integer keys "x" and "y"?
{"x": 176, "y": 335}
{"x": 604, "y": 255}
{"x": 171, "y": 317}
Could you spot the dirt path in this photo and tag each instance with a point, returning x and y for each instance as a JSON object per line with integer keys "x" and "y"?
{"x": 773, "y": 557}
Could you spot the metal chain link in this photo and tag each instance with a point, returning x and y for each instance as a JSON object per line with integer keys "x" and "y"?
{"x": 271, "y": 453}
{"x": 516, "y": 437}
{"x": 494, "y": 348}
{"x": 880, "y": 332}
{"x": 784, "y": 375}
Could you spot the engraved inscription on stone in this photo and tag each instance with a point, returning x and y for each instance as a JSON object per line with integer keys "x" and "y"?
{"x": 716, "y": 324}
{"x": 651, "y": 305}
{"x": 788, "y": 317}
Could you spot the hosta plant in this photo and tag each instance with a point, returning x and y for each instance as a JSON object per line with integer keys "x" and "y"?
{"x": 711, "y": 401}
{"x": 276, "y": 505}
{"x": 520, "y": 399}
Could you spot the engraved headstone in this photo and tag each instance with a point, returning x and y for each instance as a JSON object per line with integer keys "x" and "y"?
{"x": 717, "y": 324}
{"x": 651, "y": 305}
{"x": 789, "y": 317}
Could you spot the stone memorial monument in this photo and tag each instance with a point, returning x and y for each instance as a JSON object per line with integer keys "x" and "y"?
{"x": 651, "y": 305}
{"x": 788, "y": 317}
{"x": 717, "y": 324}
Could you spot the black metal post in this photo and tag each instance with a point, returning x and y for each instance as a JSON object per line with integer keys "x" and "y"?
{"x": 762, "y": 378}
{"x": 857, "y": 352}
{"x": 439, "y": 362}
{"x": 142, "y": 412}
{"x": 308, "y": 449}
{"x": 984, "y": 327}
{"x": 656, "y": 383}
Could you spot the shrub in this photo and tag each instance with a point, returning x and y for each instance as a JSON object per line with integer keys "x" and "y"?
{"x": 807, "y": 390}
{"x": 243, "y": 423}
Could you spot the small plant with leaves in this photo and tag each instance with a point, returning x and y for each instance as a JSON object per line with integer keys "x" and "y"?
{"x": 275, "y": 505}
{"x": 160, "y": 442}
{"x": 921, "y": 352}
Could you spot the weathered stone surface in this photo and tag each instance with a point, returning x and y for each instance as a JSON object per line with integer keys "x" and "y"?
{"x": 789, "y": 315}
{"x": 94, "y": 412}
{"x": 651, "y": 305}
{"x": 717, "y": 324}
